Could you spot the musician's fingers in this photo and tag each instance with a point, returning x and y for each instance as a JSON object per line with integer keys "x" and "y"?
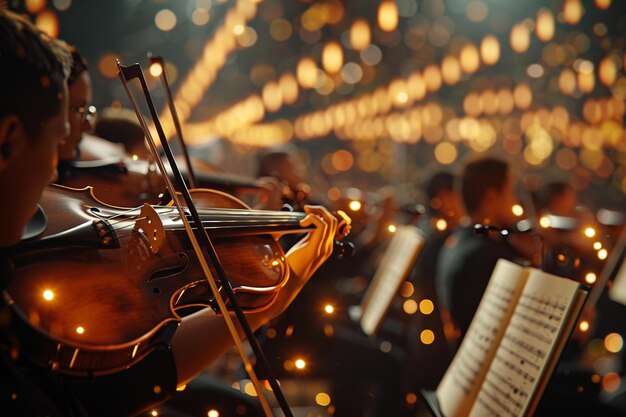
{"x": 330, "y": 228}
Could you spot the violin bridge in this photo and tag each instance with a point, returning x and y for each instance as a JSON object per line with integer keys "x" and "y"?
{"x": 150, "y": 224}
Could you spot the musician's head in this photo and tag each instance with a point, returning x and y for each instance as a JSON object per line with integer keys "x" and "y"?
{"x": 444, "y": 199}
{"x": 81, "y": 112}
{"x": 33, "y": 118}
{"x": 284, "y": 164}
{"x": 557, "y": 198}
{"x": 120, "y": 125}
{"x": 487, "y": 189}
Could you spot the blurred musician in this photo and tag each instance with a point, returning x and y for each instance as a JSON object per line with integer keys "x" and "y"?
{"x": 444, "y": 213}
{"x": 466, "y": 261}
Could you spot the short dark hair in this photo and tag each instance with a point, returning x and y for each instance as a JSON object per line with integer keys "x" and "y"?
{"x": 33, "y": 72}
{"x": 478, "y": 177}
{"x": 269, "y": 160}
{"x": 550, "y": 192}
{"x": 79, "y": 65}
{"x": 438, "y": 182}
{"x": 119, "y": 126}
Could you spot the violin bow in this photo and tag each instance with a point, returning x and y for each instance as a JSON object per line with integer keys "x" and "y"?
{"x": 127, "y": 74}
{"x": 157, "y": 60}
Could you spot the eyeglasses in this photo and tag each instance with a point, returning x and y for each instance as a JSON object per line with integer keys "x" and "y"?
{"x": 87, "y": 113}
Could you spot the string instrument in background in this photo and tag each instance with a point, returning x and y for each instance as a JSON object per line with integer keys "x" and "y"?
{"x": 97, "y": 287}
{"x": 119, "y": 178}
{"x": 128, "y": 180}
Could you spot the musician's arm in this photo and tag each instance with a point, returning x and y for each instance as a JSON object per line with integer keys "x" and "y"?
{"x": 202, "y": 337}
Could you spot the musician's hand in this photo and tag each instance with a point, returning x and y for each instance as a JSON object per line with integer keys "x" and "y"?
{"x": 306, "y": 256}
{"x": 203, "y": 336}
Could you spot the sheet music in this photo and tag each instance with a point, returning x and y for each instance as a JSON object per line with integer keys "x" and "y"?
{"x": 393, "y": 269}
{"x": 521, "y": 359}
{"x": 459, "y": 386}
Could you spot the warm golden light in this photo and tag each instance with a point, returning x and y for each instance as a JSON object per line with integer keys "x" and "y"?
{"x": 165, "y": 20}
{"x": 411, "y": 398}
{"x": 322, "y": 399}
{"x": 48, "y": 22}
{"x": 544, "y": 222}
{"x": 410, "y": 306}
{"x": 572, "y": 11}
{"x": 426, "y": 306}
{"x": 597, "y": 245}
{"x": 603, "y": 4}
{"x": 583, "y": 326}
{"x": 239, "y": 29}
{"x": 306, "y": 72}
{"x": 329, "y": 309}
{"x": 590, "y": 278}
{"x": 432, "y": 77}
{"x": 545, "y": 25}
{"x": 300, "y": 363}
{"x": 519, "y": 38}
{"x": 441, "y": 224}
{"x": 613, "y": 342}
{"x": 80, "y": 330}
{"x": 407, "y": 289}
{"x": 517, "y": 210}
{"x": 523, "y": 96}
{"x": 360, "y": 35}
{"x": 288, "y": 86}
{"x": 181, "y": 387}
{"x": 355, "y": 205}
{"x": 450, "y": 70}
{"x": 590, "y": 232}
{"x": 602, "y": 254}
{"x": 427, "y": 337}
{"x": 272, "y": 97}
{"x": 200, "y": 17}
{"x": 249, "y": 389}
{"x": 388, "y": 15}
{"x": 490, "y": 50}
{"x": 156, "y": 69}
{"x": 611, "y": 382}
{"x": 445, "y": 153}
{"x": 607, "y": 71}
{"x": 586, "y": 82}
{"x": 213, "y": 413}
{"x": 391, "y": 228}
{"x": 470, "y": 59}
{"x": 332, "y": 57}
{"x": 35, "y": 6}
{"x": 48, "y": 295}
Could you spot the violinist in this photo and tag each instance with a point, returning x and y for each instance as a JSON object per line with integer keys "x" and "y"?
{"x": 466, "y": 261}
{"x": 84, "y": 159}
{"x": 33, "y": 123}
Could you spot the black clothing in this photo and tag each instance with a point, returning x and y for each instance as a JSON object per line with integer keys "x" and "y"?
{"x": 427, "y": 363}
{"x": 463, "y": 271}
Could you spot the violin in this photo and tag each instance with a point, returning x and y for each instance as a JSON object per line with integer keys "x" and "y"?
{"x": 98, "y": 287}
{"x": 118, "y": 178}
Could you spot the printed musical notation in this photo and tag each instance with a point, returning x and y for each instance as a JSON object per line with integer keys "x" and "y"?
{"x": 521, "y": 358}
{"x": 512, "y": 345}
{"x": 487, "y": 323}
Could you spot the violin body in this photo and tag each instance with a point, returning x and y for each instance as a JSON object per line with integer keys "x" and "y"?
{"x": 92, "y": 295}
